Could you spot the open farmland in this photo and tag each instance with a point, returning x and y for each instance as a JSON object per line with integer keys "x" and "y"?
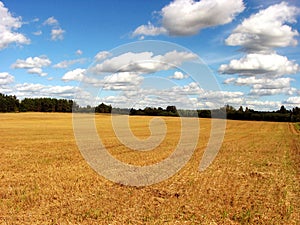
{"x": 44, "y": 179}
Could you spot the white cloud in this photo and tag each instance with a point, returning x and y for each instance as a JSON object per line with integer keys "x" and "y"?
{"x": 122, "y": 81}
{"x": 188, "y": 17}
{"x": 179, "y": 75}
{"x": 202, "y": 98}
{"x": 116, "y": 63}
{"x": 260, "y": 64}
{"x": 28, "y": 87}
{"x": 143, "y": 62}
{"x": 261, "y": 82}
{"x": 39, "y": 90}
{"x": 222, "y": 95}
{"x": 188, "y": 89}
{"x": 8, "y": 24}
{"x": 259, "y": 35}
{"x": 6, "y": 78}
{"x": 264, "y": 86}
{"x": 33, "y": 65}
{"x": 295, "y": 100}
{"x": 57, "y": 34}
{"x": 74, "y": 75}
{"x": 101, "y": 55}
{"x": 260, "y": 91}
{"x": 266, "y": 29}
{"x": 81, "y": 76}
{"x": 131, "y": 92}
{"x": 140, "y": 98}
{"x": 4, "y": 89}
{"x": 189, "y": 96}
{"x": 79, "y": 52}
{"x": 263, "y": 105}
{"x": 66, "y": 63}
{"x": 51, "y": 21}
{"x": 273, "y": 83}
{"x": 32, "y": 62}
{"x": 37, "y": 71}
{"x": 149, "y": 30}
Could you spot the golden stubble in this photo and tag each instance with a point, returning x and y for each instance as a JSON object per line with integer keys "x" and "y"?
{"x": 44, "y": 179}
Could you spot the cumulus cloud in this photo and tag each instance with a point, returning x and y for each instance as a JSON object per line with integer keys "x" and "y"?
{"x": 143, "y": 62}
{"x": 118, "y": 81}
{"x": 266, "y": 29}
{"x": 189, "y": 96}
{"x": 122, "y": 81}
{"x": 258, "y": 36}
{"x": 74, "y": 75}
{"x": 260, "y": 64}
{"x": 279, "y": 83}
{"x": 32, "y": 62}
{"x": 295, "y": 100}
{"x": 261, "y": 82}
{"x": 131, "y": 92}
{"x": 188, "y": 17}
{"x": 178, "y": 75}
{"x": 40, "y": 90}
{"x": 101, "y": 55}
{"x": 79, "y": 52}
{"x": 188, "y": 89}
{"x": 263, "y": 105}
{"x": 260, "y": 91}
{"x": 51, "y": 21}
{"x": 4, "y": 89}
{"x": 6, "y": 78}
{"x": 37, "y": 71}
{"x": 8, "y": 24}
{"x": 33, "y": 65}
{"x": 264, "y": 86}
{"x": 203, "y": 98}
{"x": 66, "y": 63}
{"x": 57, "y": 34}
{"x": 81, "y": 76}
{"x": 149, "y": 30}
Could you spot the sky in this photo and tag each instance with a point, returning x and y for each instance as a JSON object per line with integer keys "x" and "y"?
{"x": 192, "y": 54}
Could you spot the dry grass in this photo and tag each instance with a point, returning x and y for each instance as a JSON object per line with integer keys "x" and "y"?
{"x": 297, "y": 125}
{"x": 44, "y": 179}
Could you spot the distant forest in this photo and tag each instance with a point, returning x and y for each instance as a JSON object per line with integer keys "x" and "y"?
{"x": 10, "y": 103}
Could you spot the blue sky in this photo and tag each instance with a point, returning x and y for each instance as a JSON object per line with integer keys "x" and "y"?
{"x": 77, "y": 50}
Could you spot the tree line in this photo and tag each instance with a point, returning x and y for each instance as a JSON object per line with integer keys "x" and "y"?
{"x": 148, "y": 111}
{"x": 281, "y": 115}
{"x": 10, "y": 103}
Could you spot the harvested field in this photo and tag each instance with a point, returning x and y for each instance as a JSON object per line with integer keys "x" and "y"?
{"x": 45, "y": 180}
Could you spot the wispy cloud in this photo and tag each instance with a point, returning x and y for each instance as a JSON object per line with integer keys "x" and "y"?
{"x": 67, "y": 63}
